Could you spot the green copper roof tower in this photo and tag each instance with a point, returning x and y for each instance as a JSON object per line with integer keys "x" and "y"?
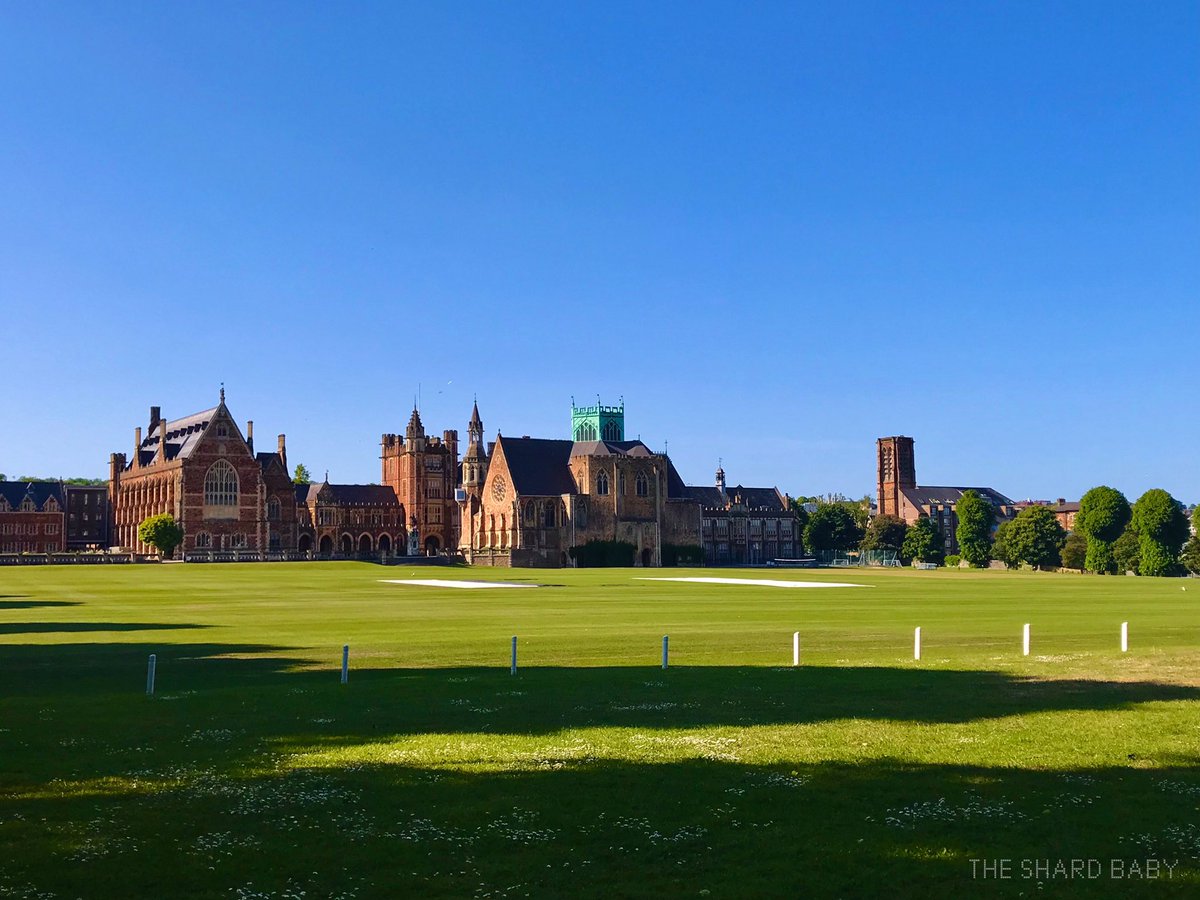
{"x": 598, "y": 423}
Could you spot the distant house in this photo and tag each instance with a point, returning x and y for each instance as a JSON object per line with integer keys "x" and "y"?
{"x": 1063, "y": 510}
{"x": 899, "y": 494}
{"x": 32, "y": 517}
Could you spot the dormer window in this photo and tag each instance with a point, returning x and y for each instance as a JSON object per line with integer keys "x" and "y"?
{"x": 27, "y": 505}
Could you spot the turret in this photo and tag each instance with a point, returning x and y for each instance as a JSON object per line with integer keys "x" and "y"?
{"x": 720, "y": 479}
{"x": 414, "y": 434}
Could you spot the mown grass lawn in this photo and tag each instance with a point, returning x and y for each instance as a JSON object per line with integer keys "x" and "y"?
{"x": 593, "y": 772}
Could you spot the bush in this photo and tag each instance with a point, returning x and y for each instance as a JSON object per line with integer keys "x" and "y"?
{"x": 599, "y": 554}
{"x": 1074, "y": 551}
{"x": 953, "y": 560}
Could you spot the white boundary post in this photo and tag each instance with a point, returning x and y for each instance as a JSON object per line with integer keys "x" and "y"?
{"x": 796, "y": 649}
{"x": 1124, "y": 637}
{"x": 345, "y": 663}
{"x": 1025, "y": 640}
{"x": 150, "y": 667}
{"x": 917, "y": 643}
{"x": 512, "y": 666}
{"x": 665, "y": 651}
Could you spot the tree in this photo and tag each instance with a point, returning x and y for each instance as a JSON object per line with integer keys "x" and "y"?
{"x": 1162, "y": 527}
{"x": 161, "y": 532}
{"x": 302, "y": 475}
{"x": 1103, "y": 514}
{"x": 1035, "y": 537}
{"x": 975, "y": 519}
{"x": 885, "y": 533}
{"x": 831, "y": 527}
{"x": 1074, "y": 551}
{"x": 1001, "y": 550}
{"x": 922, "y": 542}
{"x": 3, "y": 477}
{"x": 1126, "y": 551}
{"x": 1191, "y": 550}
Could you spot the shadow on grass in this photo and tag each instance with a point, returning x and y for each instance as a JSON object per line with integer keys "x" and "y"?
{"x": 579, "y": 827}
{"x": 68, "y": 627}
{"x": 19, "y": 601}
{"x": 541, "y": 700}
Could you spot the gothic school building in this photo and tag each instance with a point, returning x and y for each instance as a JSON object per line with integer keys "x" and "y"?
{"x": 511, "y": 502}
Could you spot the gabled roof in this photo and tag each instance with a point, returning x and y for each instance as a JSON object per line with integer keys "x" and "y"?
{"x": 922, "y": 495}
{"x": 302, "y": 493}
{"x": 610, "y": 448}
{"x": 183, "y": 435}
{"x": 752, "y": 497}
{"x": 15, "y": 493}
{"x": 354, "y": 494}
{"x": 538, "y": 467}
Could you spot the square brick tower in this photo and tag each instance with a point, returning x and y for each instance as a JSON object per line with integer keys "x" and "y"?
{"x": 895, "y": 469}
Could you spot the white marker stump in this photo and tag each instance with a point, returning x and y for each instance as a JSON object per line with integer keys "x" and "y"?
{"x": 345, "y": 664}
{"x": 1124, "y": 637}
{"x": 512, "y": 666}
{"x": 150, "y": 668}
{"x": 917, "y": 643}
{"x": 1025, "y": 640}
{"x": 796, "y": 649}
{"x": 665, "y": 651}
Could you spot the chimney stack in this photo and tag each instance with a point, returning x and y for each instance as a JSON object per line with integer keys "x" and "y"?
{"x": 137, "y": 444}
{"x": 283, "y": 449}
{"x": 155, "y": 415}
{"x": 162, "y": 437}
{"x": 250, "y": 434}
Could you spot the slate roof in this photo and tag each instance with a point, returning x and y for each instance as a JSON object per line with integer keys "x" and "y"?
{"x": 610, "y": 448}
{"x": 353, "y": 494}
{"x": 752, "y": 498}
{"x": 922, "y": 496}
{"x": 302, "y": 493}
{"x": 15, "y": 493}
{"x": 539, "y": 467}
{"x": 182, "y": 437}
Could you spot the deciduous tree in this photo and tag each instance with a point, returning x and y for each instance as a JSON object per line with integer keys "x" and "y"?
{"x": 161, "y": 532}
{"x": 831, "y": 527}
{"x": 922, "y": 542}
{"x": 885, "y": 533}
{"x": 1103, "y": 515}
{"x": 975, "y": 519}
{"x": 1162, "y": 527}
{"x": 1035, "y": 537}
{"x": 1074, "y": 552}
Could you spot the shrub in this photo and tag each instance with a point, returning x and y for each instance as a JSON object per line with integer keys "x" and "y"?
{"x": 598, "y": 554}
{"x": 682, "y": 555}
{"x": 953, "y": 560}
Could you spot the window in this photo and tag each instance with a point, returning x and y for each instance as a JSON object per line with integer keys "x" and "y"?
{"x": 326, "y": 516}
{"x": 642, "y": 485}
{"x": 51, "y": 529}
{"x": 586, "y": 432}
{"x": 221, "y": 485}
{"x": 602, "y": 483}
{"x": 222, "y": 430}
{"x": 433, "y": 490}
{"x": 433, "y": 515}
{"x": 27, "y": 505}
{"x": 238, "y": 541}
{"x": 203, "y": 540}
{"x": 621, "y": 482}
{"x": 612, "y": 431}
{"x": 530, "y": 513}
{"x": 274, "y": 541}
{"x": 548, "y": 519}
{"x": 273, "y": 509}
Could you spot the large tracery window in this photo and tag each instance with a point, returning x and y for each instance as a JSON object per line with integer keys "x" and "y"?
{"x": 641, "y": 485}
{"x": 602, "y": 483}
{"x": 221, "y": 485}
{"x": 612, "y": 431}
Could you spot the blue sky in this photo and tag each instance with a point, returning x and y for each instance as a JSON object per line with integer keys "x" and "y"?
{"x": 779, "y": 231}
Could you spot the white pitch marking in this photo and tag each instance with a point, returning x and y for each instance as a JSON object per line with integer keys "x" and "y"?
{"x": 435, "y": 582}
{"x": 757, "y": 581}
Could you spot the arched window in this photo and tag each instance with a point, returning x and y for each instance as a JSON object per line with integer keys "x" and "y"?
{"x": 530, "y": 513}
{"x": 642, "y": 485}
{"x": 548, "y": 520}
{"x": 273, "y": 509}
{"x": 621, "y": 483}
{"x": 203, "y": 540}
{"x": 587, "y": 432}
{"x": 612, "y": 431}
{"x": 602, "y": 483}
{"x": 221, "y": 485}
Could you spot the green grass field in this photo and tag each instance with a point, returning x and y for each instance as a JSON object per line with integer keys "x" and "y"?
{"x": 593, "y": 772}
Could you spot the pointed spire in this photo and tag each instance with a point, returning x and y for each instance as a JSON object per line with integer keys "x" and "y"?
{"x": 415, "y": 428}
{"x": 475, "y": 420}
{"x": 222, "y": 392}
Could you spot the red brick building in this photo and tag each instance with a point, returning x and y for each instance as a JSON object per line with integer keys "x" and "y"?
{"x": 32, "y": 517}
{"x": 205, "y": 473}
{"x": 350, "y": 520}
{"x": 423, "y": 473}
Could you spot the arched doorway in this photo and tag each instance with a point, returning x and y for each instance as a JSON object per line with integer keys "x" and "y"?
{"x": 305, "y": 543}
{"x": 431, "y": 546}
{"x": 385, "y": 544}
{"x": 347, "y": 545}
{"x": 327, "y": 546}
{"x": 364, "y": 545}
{"x": 646, "y": 557}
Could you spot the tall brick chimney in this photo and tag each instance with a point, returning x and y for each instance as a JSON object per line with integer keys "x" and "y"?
{"x": 282, "y": 448}
{"x": 250, "y": 434}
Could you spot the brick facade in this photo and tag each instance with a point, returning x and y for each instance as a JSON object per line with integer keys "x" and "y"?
{"x": 32, "y": 517}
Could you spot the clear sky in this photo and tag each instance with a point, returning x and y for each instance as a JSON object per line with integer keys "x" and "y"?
{"x": 779, "y": 231}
